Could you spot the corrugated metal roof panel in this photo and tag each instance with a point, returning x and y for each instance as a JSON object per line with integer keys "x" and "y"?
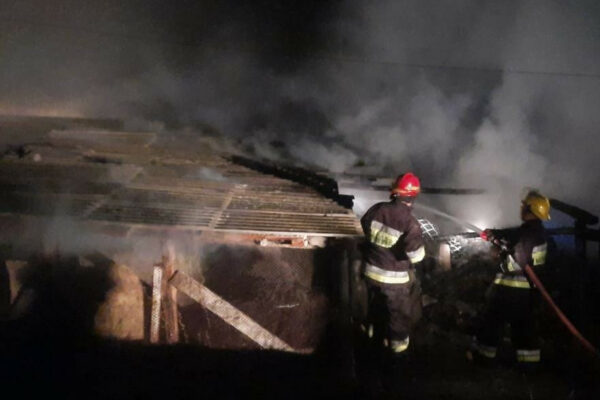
{"x": 165, "y": 188}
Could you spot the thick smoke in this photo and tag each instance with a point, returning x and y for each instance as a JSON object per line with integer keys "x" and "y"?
{"x": 441, "y": 87}
{"x": 537, "y": 126}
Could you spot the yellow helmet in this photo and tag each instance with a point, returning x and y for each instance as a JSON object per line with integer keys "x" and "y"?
{"x": 538, "y": 204}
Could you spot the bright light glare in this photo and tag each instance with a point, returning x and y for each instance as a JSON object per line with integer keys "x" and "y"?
{"x": 481, "y": 224}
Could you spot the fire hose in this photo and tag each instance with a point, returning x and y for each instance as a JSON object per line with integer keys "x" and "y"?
{"x": 546, "y": 296}
{"x": 563, "y": 318}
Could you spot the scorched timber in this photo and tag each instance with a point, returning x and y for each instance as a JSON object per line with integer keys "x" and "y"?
{"x": 234, "y": 317}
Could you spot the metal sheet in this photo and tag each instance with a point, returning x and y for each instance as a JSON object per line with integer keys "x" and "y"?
{"x": 181, "y": 188}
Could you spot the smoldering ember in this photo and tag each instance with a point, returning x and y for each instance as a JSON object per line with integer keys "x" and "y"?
{"x": 390, "y": 199}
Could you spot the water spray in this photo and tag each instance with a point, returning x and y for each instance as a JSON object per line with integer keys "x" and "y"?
{"x": 459, "y": 221}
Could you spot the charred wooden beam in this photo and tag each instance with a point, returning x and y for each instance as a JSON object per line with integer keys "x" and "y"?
{"x": 434, "y": 190}
{"x": 327, "y": 186}
{"x": 462, "y": 191}
{"x": 586, "y": 234}
{"x": 575, "y": 212}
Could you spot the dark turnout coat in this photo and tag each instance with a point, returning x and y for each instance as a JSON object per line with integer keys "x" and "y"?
{"x": 394, "y": 238}
{"x": 527, "y": 245}
{"x": 394, "y": 242}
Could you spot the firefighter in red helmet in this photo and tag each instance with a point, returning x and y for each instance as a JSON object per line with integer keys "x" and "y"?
{"x": 394, "y": 244}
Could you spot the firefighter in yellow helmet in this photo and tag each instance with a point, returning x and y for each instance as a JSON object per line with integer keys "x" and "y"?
{"x": 512, "y": 296}
{"x": 538, "y": 205}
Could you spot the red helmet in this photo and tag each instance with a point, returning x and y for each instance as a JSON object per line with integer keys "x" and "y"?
{"x": 406, "y": 185}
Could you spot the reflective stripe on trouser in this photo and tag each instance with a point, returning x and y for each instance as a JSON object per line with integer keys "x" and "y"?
{"x": 509, "y": 305}
{"x": 367, "y": 329}
{"x": 398, "y": 346}
{"x": 386, "y": 276}
{"x": 531, "y": 355}
{"x": 486, "y": 351}
{"x": 514, "y": 281}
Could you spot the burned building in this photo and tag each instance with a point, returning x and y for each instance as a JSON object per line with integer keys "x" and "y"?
{"x": 97, "y": 198}
{"x": 194, "y": 256}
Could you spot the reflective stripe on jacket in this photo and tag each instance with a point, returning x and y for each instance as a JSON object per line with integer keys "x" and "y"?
{"x": 394, "y": 238}
{"x": 386, "y": 276}
{"x": 382, "y": 235}
{"x": 528, "y": 246}
{"x": 515, "y": 281}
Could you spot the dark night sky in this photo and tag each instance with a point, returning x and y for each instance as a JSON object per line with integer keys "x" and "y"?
{"x": 477, "y": 93}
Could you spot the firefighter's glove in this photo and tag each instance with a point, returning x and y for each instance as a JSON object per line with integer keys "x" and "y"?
{"x": 487, "y": 235}
{"x": 501, "y": 244}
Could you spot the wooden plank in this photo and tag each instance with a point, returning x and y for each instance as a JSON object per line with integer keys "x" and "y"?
{"x": 106, "y": 226}
{"x": 263, "y": 240}
{"x": 328, "y": 231}
{"x": 231, "y": 315}
{"x": 157, "y": 282}
{"x": 305, "y": 219}
{"x": 268, "y": 227}
{"x": 293, "y": 225}
{"x": 13, "y": 268}
{"x": 159, "y": 227}
{"x": 289, "y": 230}
{"x": 170, "y": 297}
{"x": 279, "y": 214}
